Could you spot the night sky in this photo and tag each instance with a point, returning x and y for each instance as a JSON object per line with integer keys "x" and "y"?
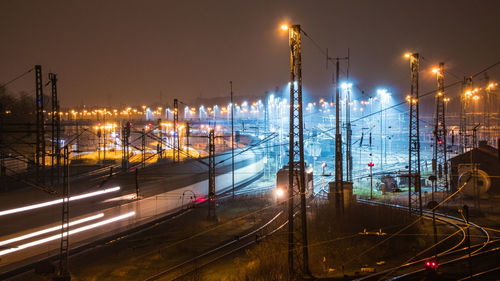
{"x": 128, "y": 52}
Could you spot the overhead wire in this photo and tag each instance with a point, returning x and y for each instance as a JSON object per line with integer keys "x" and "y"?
{"x": 16, "y": 78}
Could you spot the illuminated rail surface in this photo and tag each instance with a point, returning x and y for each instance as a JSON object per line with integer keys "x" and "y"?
{"x": 452, "y": 255}
{"x": 32, "y": 232}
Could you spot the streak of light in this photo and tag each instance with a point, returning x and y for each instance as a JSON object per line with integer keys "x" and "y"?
{"x": 130, "y": 196}
{"x": 48, "y": 230}
{"x": 58, "y": 201}
{"x": 71, "y": 232}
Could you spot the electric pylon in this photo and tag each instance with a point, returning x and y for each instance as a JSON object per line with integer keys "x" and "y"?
{"x": 40, "y": 126}
{"x": 414, "y": 195}
{"x": 348, "y": 147}
{"x": 143, "y": 147}
{"x": 56, "y": 131}
{"x": 464, "y": 100}
{"x": 63, "y": 272}
{"x": 125, "y": 145}
{"x": 339, "y": 180}
{"x": 211, "y": 174}
{"x": 298, "y": 259}
{"x": 175, "y": 143}
{"x": 440, "y": 161}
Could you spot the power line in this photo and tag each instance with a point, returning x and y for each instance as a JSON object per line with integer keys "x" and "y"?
{"x": 16, "y": 78}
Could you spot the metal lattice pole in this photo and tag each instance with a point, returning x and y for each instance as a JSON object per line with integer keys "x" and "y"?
{"x": 298, "y": 259}
{"x": 464, "y": 100}
{"x": 56, "y": 131}
{"x": 414, "y": 195}
{"x": 211, "y": 174}
{"x": 232, "y": 136}
{"x": 63, "y": 272}
{"x": 143, "y": 148}
{"x": 175, "y": 143}
{"x": 348, "y": 131}
{"x": 125, "y": 145}
{"x": 440, "y": 165}
{"x": 40, "y": 126}
{"x": 339, "y": 188}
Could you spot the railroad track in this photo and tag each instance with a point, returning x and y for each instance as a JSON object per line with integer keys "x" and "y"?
{"x": 457, "y": 253}
{"x": 238, "y": 243}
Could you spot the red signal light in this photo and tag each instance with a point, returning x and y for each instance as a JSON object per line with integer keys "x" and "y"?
{"x": 371, "y": 164}
{"x": 431, "y": 265}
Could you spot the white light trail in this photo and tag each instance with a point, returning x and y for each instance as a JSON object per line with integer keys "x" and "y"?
{"x": 71, "y": 232}
{"x": 48, "y": 230}
{"x": 58, "y": 201}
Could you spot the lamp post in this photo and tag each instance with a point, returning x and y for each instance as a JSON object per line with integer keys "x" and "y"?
{"x": 371, "y": 179}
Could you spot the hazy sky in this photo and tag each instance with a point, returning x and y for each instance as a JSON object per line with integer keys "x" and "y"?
{"x": 127, "y": 52}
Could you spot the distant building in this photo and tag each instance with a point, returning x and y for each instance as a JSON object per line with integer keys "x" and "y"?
{"x": 487, "y": 160}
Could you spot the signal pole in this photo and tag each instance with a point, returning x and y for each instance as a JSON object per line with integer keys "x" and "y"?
{"x": 298, "y": 258}
{"x": 415, "y": 195}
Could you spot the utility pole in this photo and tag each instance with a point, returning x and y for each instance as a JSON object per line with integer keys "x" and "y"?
{"x": 339, "y": 184}
{"x": 125, "y": 145}
{"x": 464, "y": 100}
{"x": 56, "y": 131}
{"x": 415, "y": 195}
{"x": 63, "y": 272}
{"x": 298, "y": 258}
{"x": 440, "y": 160}
{"x": 232, "y": 135}
{"x": 266, "y": 133}
{"x": 175, "y": 143}
{"x": 474, "y": 164}
{"x": 159, "y": 149}
{"x": 487, "y": 109}
{"x": 187, "y": 137}
{"x": 339, "y": 188}
{"x": 211, "y": 175}
{"x": 143, "y": 147}
{"x": 348, "y": 125}
{"x": 40, "y": 126}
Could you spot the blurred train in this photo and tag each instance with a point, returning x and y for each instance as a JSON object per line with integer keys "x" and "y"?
{"x": 282, "y": 180}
